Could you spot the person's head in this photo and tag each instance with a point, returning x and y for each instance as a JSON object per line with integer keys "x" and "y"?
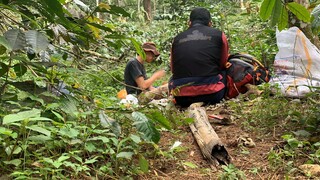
{"x": 200, "y": 15}
{"x": 151, "y": 51}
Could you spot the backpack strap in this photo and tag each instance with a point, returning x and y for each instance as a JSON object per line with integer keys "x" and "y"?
{"x": 248, "y": 58}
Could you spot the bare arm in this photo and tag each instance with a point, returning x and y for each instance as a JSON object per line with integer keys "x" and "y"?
{"x": 224, "y": 52}
{"x": 146, "y": 84}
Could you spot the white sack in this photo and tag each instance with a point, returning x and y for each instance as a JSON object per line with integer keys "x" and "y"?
{"x": 297, "y": 63}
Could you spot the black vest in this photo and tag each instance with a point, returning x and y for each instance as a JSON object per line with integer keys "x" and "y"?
{"x": 196, "y": 52}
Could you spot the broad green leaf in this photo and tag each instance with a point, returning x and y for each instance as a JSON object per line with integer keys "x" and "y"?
{"x": 293, "y": 142}
{"x": 8, "y": 132}
{"x": 108, "y": 122}
{"x": 315, "y": 25}
{"x": 163, "y": 121}
{"x": 69, "y": 132}
{"x": 5, "y": 2}
{"x": 95, "y": 32}
{"x": 5, "y": 43}
{"x": 35, "y": 98}
{"x": 9, "y": 150}
{"x": 48, "y": 160}
{"x": 69, "y": 106}
{"x": 90, "y": 147}
{"x": 143, "y": 164}
{"x": 276, "y": 12}
{"x": 15, "y": 162}
{"x": 300, "y": 11}
{"x": 37, "y": 40}
{"x": 104, "y": 6}
{"x": 57, "y": 114}
{"x": 135, "y": 138}
{"x": 146, "y": 127}
{"x": 91, "y": 161}
{"x": 70, "y": 164}
{"x": 138, "y": 48}
{"x": 14, "y": 103}
{"x": 77, "y": 158}
{"x": 283, "y": 19}
{"x": 115, "y": 141}
{"x": 302, "y": 133}
{"x": 55, "y": 7}
{"x": 38, "y": 66}
{"x": 39, "y": 138}
{"x": 63, "y": 158}
{"x": 2, "y": 49}
{"x": 5, "y": 131}
{"x": 39, "y": 129}
{"x": 75, "y": 141}
{"x": 3, "y": 69}
{"x": 190, "y": 164}
{"x": 101, "y": 138}
{"x": 287, "y": 136}
{"x": 266, "y": 9}
{"x": 56, "y": 164}
{"x": 53, "y": 106}
{"x": 39, "y": 119}
{"x": 20, "y": 69}
{"x": 97, "y": 78}
{"x": 116, "y": 10}
{"x": 127, "y": 155}
{"x": 34, "y": 113}
{"x": 16, "y": 39}
{"x": 105, "y": 28}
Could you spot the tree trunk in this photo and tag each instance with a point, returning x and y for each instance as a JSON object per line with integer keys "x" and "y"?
{"x": 148, "y": 9}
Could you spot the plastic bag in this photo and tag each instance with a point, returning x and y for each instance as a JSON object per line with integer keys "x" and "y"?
{"x": 130, "y": 99}
{"x": 297, "y": 64}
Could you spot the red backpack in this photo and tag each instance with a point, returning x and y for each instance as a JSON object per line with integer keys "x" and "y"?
{"x": 241, "y": 70}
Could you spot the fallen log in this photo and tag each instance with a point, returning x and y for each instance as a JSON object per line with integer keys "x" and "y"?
{"x": 209, "y": 143}
{"x": 157, "y": 93}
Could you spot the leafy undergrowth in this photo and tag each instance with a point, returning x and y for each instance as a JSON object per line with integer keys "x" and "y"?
{"x": 77, "y": 137}
{"x": 285, "y": 134}
{"x": 60, "y": 118}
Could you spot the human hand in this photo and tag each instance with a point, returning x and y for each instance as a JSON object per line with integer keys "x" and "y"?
{"x": 160, "y": 73}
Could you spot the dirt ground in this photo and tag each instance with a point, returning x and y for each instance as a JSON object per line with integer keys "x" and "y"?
{"x": 251, "y": 161}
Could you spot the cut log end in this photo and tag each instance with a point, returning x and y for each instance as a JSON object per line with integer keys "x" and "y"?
{"x": 209, "y": 143}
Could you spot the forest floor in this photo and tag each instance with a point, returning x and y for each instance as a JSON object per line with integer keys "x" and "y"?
{"x": 246, "y": 162}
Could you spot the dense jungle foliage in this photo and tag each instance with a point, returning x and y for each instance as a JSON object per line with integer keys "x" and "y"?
{"x": 61, "y": 66}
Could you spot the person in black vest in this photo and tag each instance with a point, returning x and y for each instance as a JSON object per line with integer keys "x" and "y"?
{"x": 135, "y": 76}
{"x": 198, "y": 58}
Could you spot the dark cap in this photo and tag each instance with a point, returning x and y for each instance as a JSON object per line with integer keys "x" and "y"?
{"x": 150, "y": 46}
{"x": 200, "y": 15}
